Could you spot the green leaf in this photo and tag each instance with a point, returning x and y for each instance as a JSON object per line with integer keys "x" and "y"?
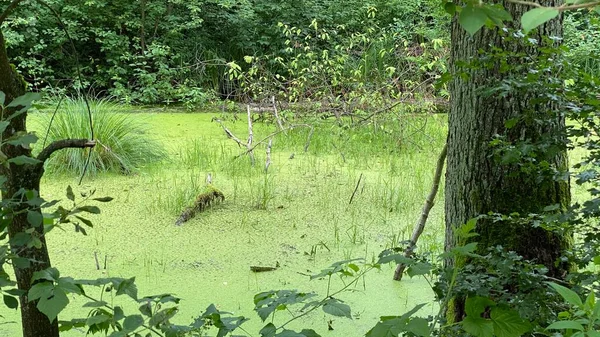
{"x": 34, "y": 218}
{"x": 3, "y": 124}
{"x": 85, "y": 221}
{"x": 127, "y": 287}
{"x": 536, "y": 17}
{"x": 590, "y": 301}
{"x": 25, "y": 100}
{"x": 133, "y": 322}
{"x": 268, "y": 330}
{"x": 70, "y": 194}
{"x": 49, "y": 274}
{"x": 118, "y": 313}
{"x": 420, "y": 268}
{"x": 52, "y": 306}
{"x": 162, "y": 316}
{"x": 467, "y": 249}
{"x": 95, "y": 304}
{"x": 472, "y": 18}
{"x": 397, "y": 258}
{"x": 596, "y": 311}
{"x": 475, "y": 306}
{"x": 24, "y": 160}
{"x": 309, "y": 333}
{"x": 289, "y": 333}
{"x": 508, "y": 323}
{"x": 336, "y": 308}
{"x": 24, "y": 140}
{"x": 478, "y": 326}
{"x": 69, "y": 286}
{"x": 353, "y": 267}
{"x": 88, "y": 209}
{"x": 497, "y": 13}
{"x": 387, "y": 328}
{"x": 562, "y": 325}
{"x": 418, "y": 326}
{"x": 593, "y": 333}
{"x": 146, "y": 309}
{"x": 450, "y": 7}
{"x": 2, "y": 98}
{"x": 39, "y": 290}
{"x": 11, "y": 302}
{"x": 569, "y": 295}
{"x": 509, "y": 124}
{"x": 96, "y": 319}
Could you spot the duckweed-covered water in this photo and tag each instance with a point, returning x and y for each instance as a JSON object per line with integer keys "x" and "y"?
{"x": 297, "y": 215}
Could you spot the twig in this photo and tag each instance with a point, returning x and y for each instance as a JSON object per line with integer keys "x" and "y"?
{"x": 268, "y": 160}
{"x": 276, "y": 113}
{"x": 96, "y": 258}
{"x": 230, "y": 134}
{"x": 429, "y": 202}
{"x": 291, "y": 127}
{"x": 355, "y": 188}
{"x": 563, "y": 7}
{"x": 322, "y": 302}
{"x": 250, "y": 136}
{"x": 63, "y": 144}
{"x": 308, "y": 139}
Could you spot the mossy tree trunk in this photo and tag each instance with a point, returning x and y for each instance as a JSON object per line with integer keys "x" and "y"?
{"x": 475, "y": 182}
{"x": 18, "y": 178}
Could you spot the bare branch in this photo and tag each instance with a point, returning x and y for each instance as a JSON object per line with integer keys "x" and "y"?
{"x": 563, "y": 7}
{"x": 250, "y": 136}
{"x": 424, "y": 213}
{"x": 229, "y": 134}
{"x": 291, "y": 127}
{"x": 276, "y": 113}
{"x": 64, "y": 144}
{"x": 268, "y": 160}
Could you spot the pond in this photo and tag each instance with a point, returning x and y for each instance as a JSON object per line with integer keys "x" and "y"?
{"x": 352, "y": 194}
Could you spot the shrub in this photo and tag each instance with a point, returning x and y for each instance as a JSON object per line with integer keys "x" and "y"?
{"x": 122, "y": 145}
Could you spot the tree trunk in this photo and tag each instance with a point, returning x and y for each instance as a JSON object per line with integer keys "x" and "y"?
{"x": 476, "y": 183}
{"x": 27, "y": 177}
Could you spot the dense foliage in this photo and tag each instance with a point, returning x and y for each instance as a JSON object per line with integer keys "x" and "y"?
{"x": 163, "y": 51}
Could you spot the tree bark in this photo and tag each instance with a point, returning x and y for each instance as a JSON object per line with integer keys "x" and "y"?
{"x": 27, "y": 177}
{"x": 475, "y": 183}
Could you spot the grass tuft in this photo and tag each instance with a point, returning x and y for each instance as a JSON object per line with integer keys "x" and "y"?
{"x": 122, "y": 143}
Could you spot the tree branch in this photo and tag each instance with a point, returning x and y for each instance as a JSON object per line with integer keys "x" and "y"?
{"x": 8, "y": 10}
{"x": 64, "y": 144}
{"x": 418, "y": 230}
{"x": 563, "y": 7}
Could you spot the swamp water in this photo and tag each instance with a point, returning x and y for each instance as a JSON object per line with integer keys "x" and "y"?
{"x": 297, "y": 215}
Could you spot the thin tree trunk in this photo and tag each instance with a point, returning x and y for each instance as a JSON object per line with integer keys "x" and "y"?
{"x": 475, "y": 183}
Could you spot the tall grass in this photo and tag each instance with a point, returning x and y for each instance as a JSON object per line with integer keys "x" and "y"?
{"x": 177, "y": 193}
{"x": 123, "y": 144}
